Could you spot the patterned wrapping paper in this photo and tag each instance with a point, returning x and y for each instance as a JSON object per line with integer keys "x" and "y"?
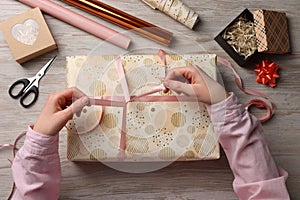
{"x": 155, "y": 131}
{"x": 271, "y": 30}
{"x": 177, "y": 10}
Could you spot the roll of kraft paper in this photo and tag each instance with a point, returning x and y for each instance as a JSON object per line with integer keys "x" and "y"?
{"x": 177, "y": 10}
{"x": 80, "y": 22}
{"x": 123, "y": 19}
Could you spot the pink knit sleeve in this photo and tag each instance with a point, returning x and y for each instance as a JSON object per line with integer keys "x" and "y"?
{"x": 36, "y": 167}
{"x": 256, "y": 176}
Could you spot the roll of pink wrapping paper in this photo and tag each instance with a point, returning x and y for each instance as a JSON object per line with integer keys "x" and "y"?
{"x": 124, "y": 19}
{"x": 80, "y": 22}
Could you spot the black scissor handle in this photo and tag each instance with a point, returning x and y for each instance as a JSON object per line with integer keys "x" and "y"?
{"x": 33, "y": 90}
{"x": 23, "y": 82}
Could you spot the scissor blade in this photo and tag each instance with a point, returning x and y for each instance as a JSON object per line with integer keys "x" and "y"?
{"x": 44, "y": 69}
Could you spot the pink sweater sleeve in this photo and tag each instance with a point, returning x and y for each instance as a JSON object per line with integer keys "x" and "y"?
{"x": 36, "y": 167}
{"x": 256, "y": 176}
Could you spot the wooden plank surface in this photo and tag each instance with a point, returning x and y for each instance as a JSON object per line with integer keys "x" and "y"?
{"x": 180, "y": 180}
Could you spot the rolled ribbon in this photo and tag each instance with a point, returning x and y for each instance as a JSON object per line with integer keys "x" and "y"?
{"x": 177, "y": 10}
{"x": 267, "y": 72}
{"x": 124, "y": 20}
{"x": 80, "y": 21}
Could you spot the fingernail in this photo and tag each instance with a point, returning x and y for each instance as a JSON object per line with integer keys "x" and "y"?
{"x": 85, "y": 101}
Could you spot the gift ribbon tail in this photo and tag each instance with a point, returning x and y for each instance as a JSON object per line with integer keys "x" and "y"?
{"x": 258, "y": 103}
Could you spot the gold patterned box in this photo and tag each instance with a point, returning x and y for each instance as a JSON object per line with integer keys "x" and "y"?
{"x": 155, "y": 131}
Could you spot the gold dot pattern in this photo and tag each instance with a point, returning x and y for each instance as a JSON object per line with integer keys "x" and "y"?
{"x": 108, "y": 57}
{"x": 189, "y": 154}
{"x": 71, "y": 126}
{"x": 80, "y": 128}
{"x": 175, "y": 57}
{"x": 148, "y": 61}
{"x": 93, "y": 61}
{"x": 93, "y": 117}
{"x": 119, "y": 89}
{"x": 98, "y": 88}
{"x": 113, "y": 74}
{"x": 124, "y": 63}
{"x": 98, "y": 154}
{"x": 141, "y": 106}
{"x": 88, "y": 119}
{"x": 198, "y": 141}
{"x": 73, "y": 146}
{"x": 167, "y": 153}
{"x": 115, "y": 141}
{"x": 136, "y": 79}
{"x": 200, "y": 119}
{"x": 175, "y": 3}
{"x": 180, "y": 15}
{"x": 135, "y": 120}
{"x": 178, "y": 119}
{"x": 136, "y": 145}
{"x": 149, "y": 130}
{"x": 79, "y": 61}
{"x": 158, "y": 140}
{"x": 188, "y": 63}
{"x": 191, "y": 129}
{"x": 109, "y": 120}
{"x": 162, "y": 138}
{"x": 156, "y": 71}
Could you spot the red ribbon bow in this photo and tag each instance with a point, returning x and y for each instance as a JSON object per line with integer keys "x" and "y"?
{"x": 267, "y": 72}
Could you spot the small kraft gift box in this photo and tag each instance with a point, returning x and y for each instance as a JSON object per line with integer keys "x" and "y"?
{"x": 152, "y": 129}
{"x": 28, "y": 35}
{"x": 263, "y": 31}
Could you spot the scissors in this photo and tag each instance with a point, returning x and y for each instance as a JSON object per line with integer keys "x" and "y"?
{"x": 29, "y": 86}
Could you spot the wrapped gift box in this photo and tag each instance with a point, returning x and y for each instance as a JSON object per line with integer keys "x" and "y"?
{"x": 270, "y": 29}
{"x": 155, "y": 130}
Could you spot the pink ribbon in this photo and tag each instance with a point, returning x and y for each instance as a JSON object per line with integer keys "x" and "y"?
{"x": 121, "y": 101}
{"x": 15, "y": 149}
{"x": 255, "y": 102}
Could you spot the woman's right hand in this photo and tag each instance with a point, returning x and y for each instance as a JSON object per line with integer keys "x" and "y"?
{"x": 58, "y": 109}
{"x": 193, "y": 81}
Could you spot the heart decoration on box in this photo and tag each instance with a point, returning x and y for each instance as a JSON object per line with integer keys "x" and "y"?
{"x": 27, "y": 32}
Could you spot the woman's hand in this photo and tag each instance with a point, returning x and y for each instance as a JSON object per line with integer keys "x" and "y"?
{"x": 58, "y": 109}
{"x": 192, "y": 81}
